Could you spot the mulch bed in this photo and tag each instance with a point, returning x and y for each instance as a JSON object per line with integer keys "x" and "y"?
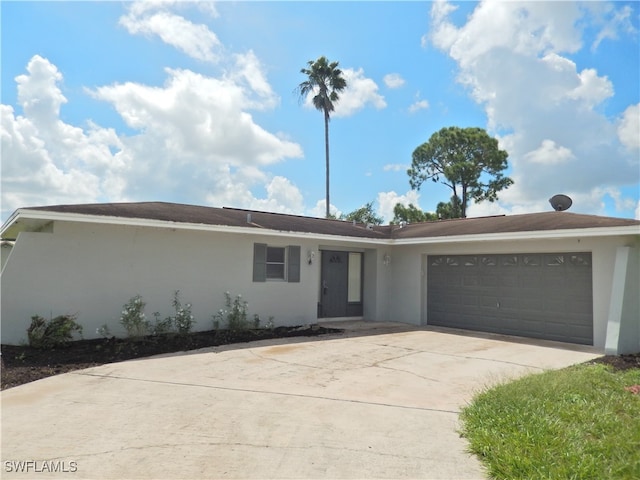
{"x": 23, "y": 364}
{"x": 620, "y": 362}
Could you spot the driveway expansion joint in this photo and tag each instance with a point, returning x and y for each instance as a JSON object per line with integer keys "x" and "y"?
{"x": 262, "y": 392}
{"x": 467, "y": 357}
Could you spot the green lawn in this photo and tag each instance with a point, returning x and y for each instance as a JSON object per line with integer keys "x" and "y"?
{"x": 575, "y": 423}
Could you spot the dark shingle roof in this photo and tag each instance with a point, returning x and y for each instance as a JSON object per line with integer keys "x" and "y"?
{"x": 193, "y": 214}
{"x": 529, "y": 222}
{"x": 233, "y": 217}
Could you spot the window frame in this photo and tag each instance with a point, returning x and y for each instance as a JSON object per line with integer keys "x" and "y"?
{"x": 291, "y": 264}
{"x": 283, "y": 263}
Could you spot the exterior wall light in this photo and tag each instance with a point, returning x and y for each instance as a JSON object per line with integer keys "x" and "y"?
{"x": 386, "y": 259}
{"x": 310, "y": 256}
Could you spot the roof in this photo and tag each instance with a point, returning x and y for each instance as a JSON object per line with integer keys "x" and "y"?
{"x": 162, "y": 213}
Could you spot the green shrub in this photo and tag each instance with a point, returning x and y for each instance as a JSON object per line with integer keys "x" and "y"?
{"x": 235, "y": 314}
{"x": 183, "y": 319}
{"x": 257, "y": 321}
{"x": 55, "y": 332}
{"x": 133, "y": 318}
{"x": 161, "y": 327}
{"x": 103, "y": 331}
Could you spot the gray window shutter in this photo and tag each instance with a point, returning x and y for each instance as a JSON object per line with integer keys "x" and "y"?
{"x": 293, "y": 273}
{"x": 259, "y": 262}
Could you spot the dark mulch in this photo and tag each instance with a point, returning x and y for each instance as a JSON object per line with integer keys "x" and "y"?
{"x": 620, "y": 362}
{"x": 23, "y": 364}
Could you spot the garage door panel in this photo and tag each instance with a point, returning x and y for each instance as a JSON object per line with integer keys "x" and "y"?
{"x": 545, "y": 295}
{"x": 471, "y": 280}
{"x": 578, "y": 305}
{"x": 508, "y": 280}
{"x": 489, "y": 280}
{"x": 487, "y": 301}
{"x": 469, "y": 300}
{"x": 508, "y": 302}
{"x": 453, "y": 281}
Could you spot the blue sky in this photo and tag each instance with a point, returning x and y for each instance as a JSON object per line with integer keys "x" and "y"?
{"x": 194, "y": 102}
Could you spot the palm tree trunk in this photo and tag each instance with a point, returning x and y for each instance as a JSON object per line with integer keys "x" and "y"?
{"x": 326, "y": 149}
{"x": 463, "y": 207}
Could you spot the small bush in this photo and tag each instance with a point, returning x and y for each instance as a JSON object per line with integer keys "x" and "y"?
{"x": 104, "y": 331}
{"x": 161, "y": 327}
{"x": 183, "y": 320}
{"x": 55, "y": 332}
{"x": 235, "y": 314}
{"x": 133, "y": 318}
{"x": 257, "y": 321}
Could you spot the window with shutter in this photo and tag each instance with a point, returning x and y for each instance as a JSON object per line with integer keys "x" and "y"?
{"x": 276, "y": 263}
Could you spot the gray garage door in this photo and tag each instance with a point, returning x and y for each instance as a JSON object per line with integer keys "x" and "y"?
{"x": 546, "y": 295}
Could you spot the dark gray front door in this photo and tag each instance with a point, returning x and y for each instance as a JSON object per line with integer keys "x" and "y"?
{"x": 544, "y": 295}
{"x": 334, "y": 283}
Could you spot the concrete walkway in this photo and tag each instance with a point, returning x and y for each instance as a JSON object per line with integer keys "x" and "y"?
{"x": 379, "y": 401}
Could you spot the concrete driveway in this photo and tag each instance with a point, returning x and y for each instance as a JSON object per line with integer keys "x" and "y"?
{"x": 379, "y": 401}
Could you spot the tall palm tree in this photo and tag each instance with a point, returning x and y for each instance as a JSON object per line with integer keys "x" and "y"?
{"x": 325, "y": 81}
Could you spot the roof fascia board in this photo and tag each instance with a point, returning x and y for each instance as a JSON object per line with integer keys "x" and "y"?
{"x": 143, "y": 222}
{"x": 484, "y": 237}
{"x": 529, "y": 235}
{"x": 10, "y": 221}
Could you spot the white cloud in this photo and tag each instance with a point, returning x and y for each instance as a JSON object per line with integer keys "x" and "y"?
{"x": 393, "y": 80}
{"x": 38, "y": 91}
{"x": 197, "y": 117}
{"x": 388, "y": 200}
{"x": 249, "y": 72}
{"x": 154, "y": 18}
{"x": 46, "y": 160}
{"x": 511, "y": 57}
{"x": 193, "y": 135}
{"x": 611, "y": 20}
{"x": 526, "y": 28}
{"x": 234, "y": 190}
{"x": 319, "y": 210}
{"x": 419, "y": 105}
{"x": 549, "y": 153}
{"x": 395, "y": 167}
{"x": 282, "y": 196}
{"x": 360, "y": 92}
{"x": 592, "y": 89}
{"x": 629, "y": 127}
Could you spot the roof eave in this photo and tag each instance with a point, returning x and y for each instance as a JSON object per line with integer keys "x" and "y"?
{"x": 48, "y": 216}
{"x": 13, "y": 225}
{"x": 525, "y": 235}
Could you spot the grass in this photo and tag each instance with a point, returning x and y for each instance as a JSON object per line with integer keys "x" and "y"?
{"x": 575, "y": 423}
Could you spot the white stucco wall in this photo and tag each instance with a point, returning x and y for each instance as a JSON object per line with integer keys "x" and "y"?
{"x": 5, "y": 250}
{"x": 623, "y": 327}
{"x": 409, "y": 270}
{"x": 376, "y": 285}
{"x": 93, "y": 270}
